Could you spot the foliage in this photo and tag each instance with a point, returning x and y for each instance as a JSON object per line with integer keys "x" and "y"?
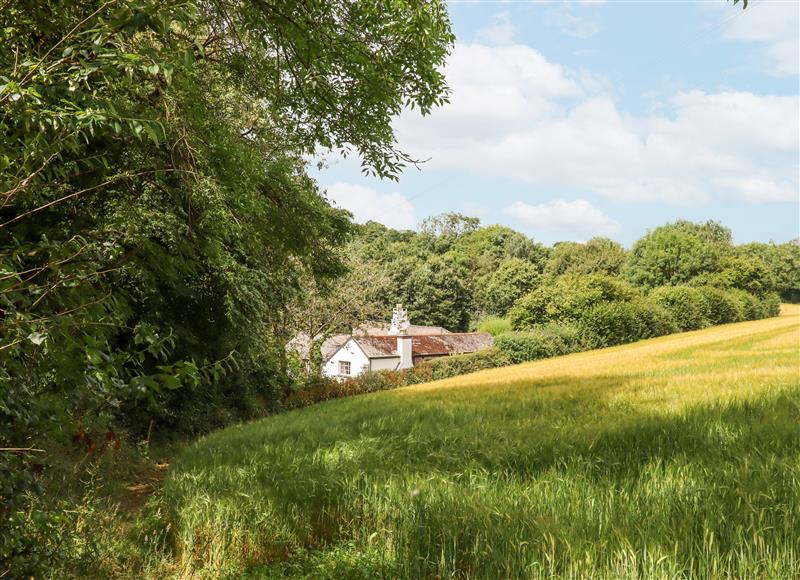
{"x": 494, "y": 325}
{"x": 497, "y": 292}
{"x": 329, "y": 306}
{"x": 540, "y": 342}
{"x": 156, "y": 217}
{"x": 597, "y": 256}
{"x": 750, "y": 274}
{"x": 612, "y": 323}
{"x": 719, "y": 306}
{"x": 673, "y": 254}
{"x": 684, "y": 304}
{"x": 153, "y": 168}
{"x": 517, "y": 472}
{"x": 750, "y": 307}
{"x": 783, "y": 261}
{"x": 436, "y": 294}
{"x": 452, "y": 366}
{"x": 448, "y": 225}
{"x": 567, "y": 298}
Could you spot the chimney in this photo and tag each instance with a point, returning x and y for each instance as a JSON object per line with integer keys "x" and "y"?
{"x": 404, "y": 350}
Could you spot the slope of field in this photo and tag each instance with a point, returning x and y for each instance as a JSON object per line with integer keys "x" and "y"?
{"x": 674, "y": 457}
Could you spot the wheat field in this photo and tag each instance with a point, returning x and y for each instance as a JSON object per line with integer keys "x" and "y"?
{"x": 677, "y": 457}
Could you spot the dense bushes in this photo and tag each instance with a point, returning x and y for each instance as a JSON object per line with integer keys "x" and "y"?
{"x": 719, "y": 306}
{"x": 540, "y": 342}
{"x": 494, "y": 325}
{"x": 684, "y": 304}
{"x": 608, "y": 311}
{"x": 567, "y": 298}
{"x": 697, "y": 307}
{"x": 452, "y": 366}
{"x": 612, "y": 323}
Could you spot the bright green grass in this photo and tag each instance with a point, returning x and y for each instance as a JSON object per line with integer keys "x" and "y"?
{"x": 676, "y": 457}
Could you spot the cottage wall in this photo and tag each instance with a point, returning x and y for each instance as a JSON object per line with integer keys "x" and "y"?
{"x": 386, "y": 364}
{"x": 351, "y": 353}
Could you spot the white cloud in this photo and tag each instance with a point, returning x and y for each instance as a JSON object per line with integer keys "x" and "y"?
{"x": 577, "y": 219}
{"x": 391, "y": 209}
{"x": 775, "y": 26}
{"x": 515, "y": 114}
{"x": 494, "y": 90}
{"x": 501, "y": 31}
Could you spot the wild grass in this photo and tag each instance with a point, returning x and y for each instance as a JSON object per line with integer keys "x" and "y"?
{"x": 677, "y": 457}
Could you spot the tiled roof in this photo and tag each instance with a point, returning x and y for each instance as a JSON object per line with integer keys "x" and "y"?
{"x": 426, "y": 345}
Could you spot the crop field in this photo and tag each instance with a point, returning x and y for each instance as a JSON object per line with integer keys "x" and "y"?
{"x": 672, "y": 457}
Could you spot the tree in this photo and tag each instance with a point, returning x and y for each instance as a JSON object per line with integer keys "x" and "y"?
{"x": 597, "y": 256}
{"x": 675, "y": 253}
{"x": 156, "y": 217}
{"x": 450, "y": 225}
{"x": 750, "y": 274}
{"x": 487, "y": 247}
{"x": 341, "y": 304}
{"x": 436, "y": 294}
{"x": 497, "y": 292}
{"x": 783, "y": 260}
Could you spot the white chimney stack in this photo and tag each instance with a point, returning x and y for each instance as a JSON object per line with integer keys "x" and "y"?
{"x": 404, "y": 350}
{"x": 399, "y": 328}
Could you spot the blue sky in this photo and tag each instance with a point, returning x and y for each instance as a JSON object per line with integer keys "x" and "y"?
{"x": 574, "y": 119}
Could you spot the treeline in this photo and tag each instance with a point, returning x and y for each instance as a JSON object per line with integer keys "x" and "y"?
{"x": 681, "y": 276}
{"x": 541, "y": 302}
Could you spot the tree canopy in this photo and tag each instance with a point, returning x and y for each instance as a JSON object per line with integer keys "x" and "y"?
{"x": 156, "y": 217}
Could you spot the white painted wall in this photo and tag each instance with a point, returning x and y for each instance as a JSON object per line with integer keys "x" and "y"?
{"x": 351, "y": 353}
{"x": 385, "y": 364}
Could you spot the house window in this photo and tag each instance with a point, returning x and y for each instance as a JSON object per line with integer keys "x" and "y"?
{"x": 344, "y": 367}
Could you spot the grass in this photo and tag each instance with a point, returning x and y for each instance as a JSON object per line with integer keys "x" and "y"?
{"x": 673, "y": 457}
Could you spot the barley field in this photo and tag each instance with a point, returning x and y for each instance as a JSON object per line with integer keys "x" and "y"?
{"x": 677, "y": 457}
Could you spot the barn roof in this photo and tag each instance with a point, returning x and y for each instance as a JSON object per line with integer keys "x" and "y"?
{"x": 425, "y": 345}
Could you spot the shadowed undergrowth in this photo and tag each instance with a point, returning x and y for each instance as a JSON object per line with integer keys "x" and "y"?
{"x": 678, "y": 456}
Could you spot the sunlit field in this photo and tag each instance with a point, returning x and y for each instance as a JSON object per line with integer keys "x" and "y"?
{"x": 673, "y": 457}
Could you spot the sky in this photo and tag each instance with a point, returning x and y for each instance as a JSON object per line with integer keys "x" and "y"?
{"x": 569, "y": 120}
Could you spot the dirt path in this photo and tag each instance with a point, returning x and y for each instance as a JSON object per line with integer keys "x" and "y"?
{"x": 148, "y": 480}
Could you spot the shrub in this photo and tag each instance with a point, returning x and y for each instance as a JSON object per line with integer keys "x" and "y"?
{"x": 532, "y": 309}
{"x": 656, "y": 319}
{"x": 772, "y": 304}
{"x": 452, "y": 366}
{"x": 719, "y": 306}
{"x": 539, "y": 342}
{"x": 494, "y": 325}
{"x": 568, "y": 298}
{"x": 612, "y": 323}
{"x": 683, "y": 303}
{"x": 750, "y": 306}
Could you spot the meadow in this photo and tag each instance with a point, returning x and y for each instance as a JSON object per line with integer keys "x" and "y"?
{"x": 672, "y": 457}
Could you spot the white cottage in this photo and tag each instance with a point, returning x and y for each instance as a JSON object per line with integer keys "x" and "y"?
{"x": 399, "y": 348}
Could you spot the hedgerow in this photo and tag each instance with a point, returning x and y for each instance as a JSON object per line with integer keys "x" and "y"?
{"x": 540, "y": 342}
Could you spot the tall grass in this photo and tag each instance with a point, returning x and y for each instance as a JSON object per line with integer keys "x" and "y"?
{"x": 675, "y": 457}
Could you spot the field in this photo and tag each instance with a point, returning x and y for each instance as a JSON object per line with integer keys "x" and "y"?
{"x": 673, "y": 457}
